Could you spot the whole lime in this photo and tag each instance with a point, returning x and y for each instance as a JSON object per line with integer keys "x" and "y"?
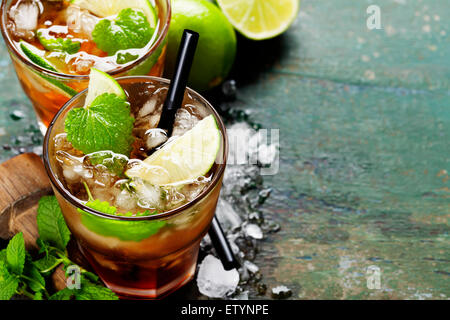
{"x": 216, "y": 48}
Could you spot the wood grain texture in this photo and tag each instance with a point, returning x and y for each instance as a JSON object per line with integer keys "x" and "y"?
{"x": 23, "y": 181}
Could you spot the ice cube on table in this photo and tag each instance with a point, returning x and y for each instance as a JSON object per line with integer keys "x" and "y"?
{"x": 228, "y": 217}
{"x": 254, "y": 231}
{"x": 25, "y": 15}
{"x": 281, "y": 292}
{"x": 214, "y": 281}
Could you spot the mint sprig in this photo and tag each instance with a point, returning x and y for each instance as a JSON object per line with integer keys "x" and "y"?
{"x": 106, "y": 124}
{"x": 51, "y": 225}
{"x": 21, "y": 275}
{"x": 130, "y": 29}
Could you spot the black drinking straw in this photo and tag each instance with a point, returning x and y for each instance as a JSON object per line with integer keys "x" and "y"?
{"x": 173, "y": 101}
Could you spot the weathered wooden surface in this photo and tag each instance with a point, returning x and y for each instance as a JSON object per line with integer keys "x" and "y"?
{"x": 364, "y": 125}
{"x": 23, "y": 181}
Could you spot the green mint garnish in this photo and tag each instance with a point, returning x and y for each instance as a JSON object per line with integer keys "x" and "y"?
{"x": 59, "y": 44}
{"x": 115, "y": 163}
{"x": 124, "y": 230}
{"x": 19, "y": 274}
{"x": 8, "y": 282}
{"x": 130, "y": 29}
{"x": 15, "y": 254}
{"x": 106, "y": 124}
{"x": 125, "y": 57}
{"x": 51, "y": 225}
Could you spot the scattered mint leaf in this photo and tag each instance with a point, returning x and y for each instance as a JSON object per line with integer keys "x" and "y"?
{"x": 106, "y": 124}
{"x": 91, "y": 277}
{"x": 59, "y": 44}
{"x": 125, "y": 57}
{"x": 33, "y": 278}
{"x": 130, "y": 29}
{"x": 51, "y": 225}
{"x": 91, "y": 291}
{"x": 38, "y": 296}
{"x": 64, "y": 294}
{"x": 43, "y": 246}
{"x": 8, "y": 282}
{"x": 115, "y": 163}
{"x": 88, "y": 291}
{"x": 47, "y": 263}
{"x": 15, "y": 254}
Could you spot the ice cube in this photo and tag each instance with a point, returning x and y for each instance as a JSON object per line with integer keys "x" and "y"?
{"x": 241, "y": 296}
{"x": 155, "y": 137}
{"x": 81, "y": 21}
{"x": 25, "y": 15}
{"x": 214, "y": 281}
{"x": 281, "y": 292}
{"x": 228, "y": 218}
{"x": 125, "y": 201}
{"x": 184, "y": 121}
{"x": 253, "y": 230}
{"x": 251, "y": 267}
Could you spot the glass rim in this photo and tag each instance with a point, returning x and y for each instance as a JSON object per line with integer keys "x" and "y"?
{"x": 163, "y": 215}
{"x": 65, "y": 76}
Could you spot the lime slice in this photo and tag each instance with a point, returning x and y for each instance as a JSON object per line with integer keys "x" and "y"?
{"x": 106, "y": 8}
{"x": 183, "y": 159}
{"x": 37, "y": 57}
{"x": 101, "y": 82}
{"x": 260, "y": 19}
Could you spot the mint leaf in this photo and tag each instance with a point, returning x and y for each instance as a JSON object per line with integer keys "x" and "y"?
{"x": 47, "y": 263}
{"x": 130, "y": 29}
{"x": 51, "y": 225}
{"x": 94, "y": 292}
{"x": 8, "y": 282}
{"x": 38, "y": 296}
{"x": 115, "y": 163}
{"x": 106, "y": 124}
{"x": 64, "y": 294}
{"x": 124, "y": 230}
{"x": 59, "y": 44}
{"x": 125, "y": 57}
{"x": 15, "y": 254}
{"x": 33, "y": 278}
{"x": 102, "y": 206}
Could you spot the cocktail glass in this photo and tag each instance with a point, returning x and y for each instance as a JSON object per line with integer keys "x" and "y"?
{"x": 49, "y": 90}
{"x": 139, "y": 257}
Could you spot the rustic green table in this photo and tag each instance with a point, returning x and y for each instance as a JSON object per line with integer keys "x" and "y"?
{"x": 363, "y": 188}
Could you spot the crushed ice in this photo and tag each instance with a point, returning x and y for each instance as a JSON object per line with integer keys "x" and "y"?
{"x": 238, "y": 211}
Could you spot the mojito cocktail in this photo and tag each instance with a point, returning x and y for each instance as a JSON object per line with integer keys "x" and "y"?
{"x": 138, "y": 202}
{"x": 54, "y": 44}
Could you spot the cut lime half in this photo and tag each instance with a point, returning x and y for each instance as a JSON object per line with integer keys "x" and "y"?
{"x": 37, "y": 57}
{"x": 100, "y": 82}
{"x": 106, "y": 8}
{"x": 260, "y": 19}
{"x": 184, "y": 159}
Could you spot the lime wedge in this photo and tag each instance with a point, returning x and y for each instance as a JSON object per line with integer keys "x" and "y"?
{"x": 260, "y": 19}
{"x": 183, "y": 159}
{"x": 101, "y": 82}
{"x": 37, "y": 57}
{"x": 106, "y": 8}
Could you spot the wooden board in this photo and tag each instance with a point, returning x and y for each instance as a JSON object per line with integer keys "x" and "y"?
{"x": 23, "y": 181}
